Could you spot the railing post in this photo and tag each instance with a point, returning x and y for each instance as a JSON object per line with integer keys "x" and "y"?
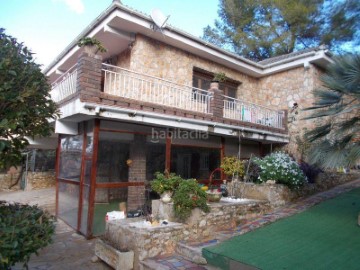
{"x": 88, "y": 73}
{"x": 285, "y": 120}
{"x": 217, "y": 102}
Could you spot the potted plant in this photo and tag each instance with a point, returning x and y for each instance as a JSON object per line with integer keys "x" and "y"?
{"x": 91, "y": 45}
{"x": 188, "y": 196}
{"x": 218, "y": 78}
{"x": 165, "y": 184}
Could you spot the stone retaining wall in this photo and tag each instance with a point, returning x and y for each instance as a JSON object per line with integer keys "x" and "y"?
{"x": 152, "y": 241}
{"x": 36, "y": 180}
{"x": 9, "y": 178}
{"x": 278, "y": 194}
{"x": 39, "y": 180}
{"x": 144, "y": 242}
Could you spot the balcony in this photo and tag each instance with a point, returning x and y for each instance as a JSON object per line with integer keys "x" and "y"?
{"x": 133, "y": 85}
{"x": 112, "y": 83}
{"x": 248, "y": 112}
{"x": 64, "y": 86}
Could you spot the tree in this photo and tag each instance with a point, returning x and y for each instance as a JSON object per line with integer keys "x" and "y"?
{"x": 259, "y": 29}
{"x": 336, "y": 140}
{"x": 25, "y": 103}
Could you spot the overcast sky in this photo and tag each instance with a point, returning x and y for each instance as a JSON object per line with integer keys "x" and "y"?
{"x": 48, "y": 26}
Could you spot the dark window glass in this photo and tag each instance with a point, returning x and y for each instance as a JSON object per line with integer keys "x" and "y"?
{"x": 191, "y": 162}
{"x": 113, "y": 153}
{"x": 155, "y": 159}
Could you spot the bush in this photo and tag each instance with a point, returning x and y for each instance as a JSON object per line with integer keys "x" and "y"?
{"x": 232, "y": 166}
{"x": 254, "y": 171}
{"x": 24, "y": 229}
{"x": 280, "y": 167}
{"x": 164, "y": 183}
{"x": 188, "y": 196}
{"x": 310, "y": 171}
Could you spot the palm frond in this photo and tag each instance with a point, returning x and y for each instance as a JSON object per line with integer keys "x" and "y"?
{"x": 327, "y": 155}
{"x": 318, "y": 132}
{"x": 348, "y": 124}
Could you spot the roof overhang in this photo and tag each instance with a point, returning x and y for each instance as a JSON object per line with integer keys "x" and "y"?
{"x": 117, "y": 26}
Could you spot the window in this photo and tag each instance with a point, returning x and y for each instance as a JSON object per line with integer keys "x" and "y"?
{"x": 194, "y": 162}
{"x": 202, "y": 80}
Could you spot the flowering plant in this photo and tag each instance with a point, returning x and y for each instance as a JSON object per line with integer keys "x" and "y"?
{"x": 280, "y": 167}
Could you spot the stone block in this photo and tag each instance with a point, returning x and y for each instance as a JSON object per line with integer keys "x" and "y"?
{"x": 113, "y": 257}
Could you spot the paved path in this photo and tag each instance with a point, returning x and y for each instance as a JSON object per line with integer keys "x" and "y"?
{"x": 69, "y": 250}
{"x": 175, "y": 262}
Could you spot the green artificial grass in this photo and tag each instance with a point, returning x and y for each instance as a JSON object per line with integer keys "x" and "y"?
{"x": 324, "y": 237}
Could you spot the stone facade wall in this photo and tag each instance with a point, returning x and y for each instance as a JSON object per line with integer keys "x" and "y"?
{"x": 281, "y": 90}
{"x": 158, "y": 59}
{"x": 278, "y": 91}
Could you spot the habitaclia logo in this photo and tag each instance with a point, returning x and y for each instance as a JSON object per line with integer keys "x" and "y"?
{"x": 160, "y": 135}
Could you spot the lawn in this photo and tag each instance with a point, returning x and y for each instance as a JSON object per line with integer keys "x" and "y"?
{"x": 324, "y": 237}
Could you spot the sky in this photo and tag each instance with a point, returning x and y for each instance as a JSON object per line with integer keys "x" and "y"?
{"x": 48, "y": 26}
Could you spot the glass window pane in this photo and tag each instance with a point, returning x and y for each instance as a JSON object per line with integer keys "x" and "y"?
{"x": 113, "y": 154}
{"x": 192, "y": 162}
{"x": 70, "y": 157}
{"x": 85, "y": 210}
{"x": 107, "y": 200}
{"x": 69, "y": 203}
{"x": 155, "y": 159}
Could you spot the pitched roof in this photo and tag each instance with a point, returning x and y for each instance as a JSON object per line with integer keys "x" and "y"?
{"x": 289, "y": 55}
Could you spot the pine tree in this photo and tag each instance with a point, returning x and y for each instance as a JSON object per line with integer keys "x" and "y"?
{"x": 259, "y": 29}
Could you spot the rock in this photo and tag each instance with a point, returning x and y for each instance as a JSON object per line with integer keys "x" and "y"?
{"x": 94, "y": 259}
{"x": 199, "y": 260}
{"x": 202, "y": 223}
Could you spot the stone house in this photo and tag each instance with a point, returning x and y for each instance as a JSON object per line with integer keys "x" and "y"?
{"x": 148, "y": 104}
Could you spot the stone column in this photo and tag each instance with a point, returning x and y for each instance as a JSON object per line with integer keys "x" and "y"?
{"x": 217, "y": 102}
{"x": 88, "y": 76}
{"x": 137, "y": 172}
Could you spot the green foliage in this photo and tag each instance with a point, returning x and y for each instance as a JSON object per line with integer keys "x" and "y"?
{"x": 266, "y": 28}
{"x": 280, "y": 167}
{"x": 335, "y": 141}
{"x": 164, "y": 183}
{"x": 233, "y": 166}
{"x": 25, "y": 104}
{"x": 24, "y": 229}
{"x": 188, "y": 196}
{"x": 219, "y": 77}
{"x": 89, "y": 41}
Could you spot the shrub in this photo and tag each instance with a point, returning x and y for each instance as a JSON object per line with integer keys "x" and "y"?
{"x": 280, "y": 167}
{"x": 89, "y": 41}
{"x": 252, "y": 174}
{"x": 232, "y": 166}
{"x": 188, "y": 196}
{"x": 310, "y": 171}
{"x": 164, "y": 183}
{"x": 24, "y": 229}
